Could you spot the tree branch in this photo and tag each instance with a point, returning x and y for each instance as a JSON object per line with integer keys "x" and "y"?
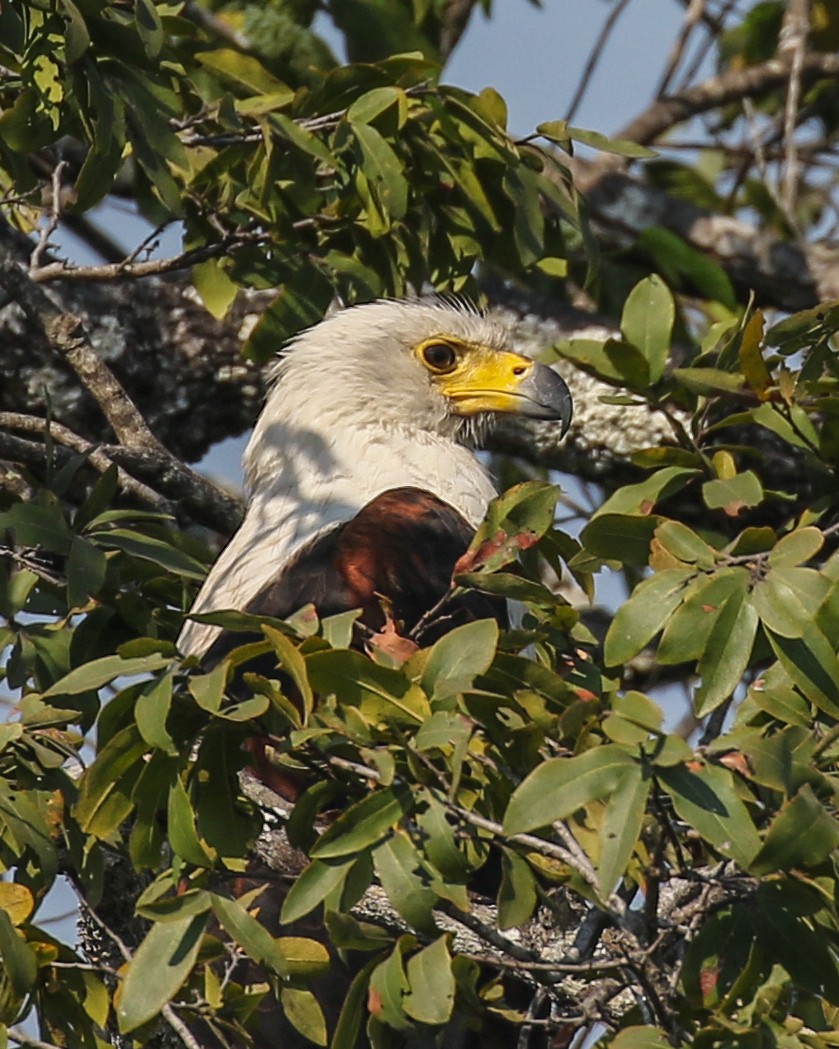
{"x": 67, "y": 336}
{"x": 730, "y": 86}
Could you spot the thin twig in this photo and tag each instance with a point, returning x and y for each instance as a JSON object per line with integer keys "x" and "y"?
{"x": 151, "y": 267}
{"x": 22, "y": 1038}
{"x": 594, "y": 56}
{"x": 54, "y": 219}
{"x": 693, "y": 16}
{"x": 179, "y": 1027}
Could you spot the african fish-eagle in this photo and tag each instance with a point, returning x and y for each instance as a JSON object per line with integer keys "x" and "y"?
{"x": 363, "y": 489}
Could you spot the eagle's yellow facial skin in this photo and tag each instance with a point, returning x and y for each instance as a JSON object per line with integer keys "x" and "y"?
{"x": 475, "y": 378}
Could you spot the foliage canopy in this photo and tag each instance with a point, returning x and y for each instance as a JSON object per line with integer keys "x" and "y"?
{"x": 655, "y": 883}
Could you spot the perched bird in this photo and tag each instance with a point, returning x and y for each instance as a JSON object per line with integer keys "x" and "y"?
{"x": 363, "y": 489}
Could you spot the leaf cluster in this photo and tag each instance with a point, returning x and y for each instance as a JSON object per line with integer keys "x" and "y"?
{"x": 370, "y": 180}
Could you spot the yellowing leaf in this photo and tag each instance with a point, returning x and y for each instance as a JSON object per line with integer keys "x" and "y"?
{"x": 17, "y": 901}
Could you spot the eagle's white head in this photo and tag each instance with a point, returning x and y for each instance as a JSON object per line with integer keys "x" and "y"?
{"x": 405, "y": 369}
{"x": 375, "y": 397}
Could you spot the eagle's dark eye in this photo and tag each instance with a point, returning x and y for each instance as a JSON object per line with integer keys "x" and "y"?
{"x": 439, "y": 356}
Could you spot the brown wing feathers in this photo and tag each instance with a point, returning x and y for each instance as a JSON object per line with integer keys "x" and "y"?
{"x": 396, "y": 555}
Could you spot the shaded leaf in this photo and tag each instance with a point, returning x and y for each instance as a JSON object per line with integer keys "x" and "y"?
{"x": 802, "y": 834}
{"x": 707, "y": 801}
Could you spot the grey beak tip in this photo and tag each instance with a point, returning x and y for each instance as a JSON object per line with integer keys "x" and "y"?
{"x": 551, "y": 397}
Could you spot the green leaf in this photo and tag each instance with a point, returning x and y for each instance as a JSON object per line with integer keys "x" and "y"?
{"x": 399, "y": 868}
{"x": 158, "y": 970}
{"x": 166, "y": 556}
{"x": 810, "y": 661}
{"x": 709, "y": 380}
{"x": 647, "y": 322}
{"x": 381, "y": 693}
{"x": 208, "y": 689}
{"x": 752, "y": 364}
{"x": 430, "y": 999}
{"x": 642, "y": 498}
{"x": 252, "y": 937}
{"x": 293, "y": 663}
{"x": 718, "y": 956}
{"x": 173, "y": 908}
{"x": 707, "y": 801}
{"x": 802, "y": 835}
{"x": 363, "y": 824}
{"x": 98, "y": 672}
{"x": 620, "y": 146}
{"x": 305, "y": 957}
{"x": 785, "y": 932}
{"x": 443, "y": 730}
{"x": 459, "y": 657}
{"x": 301, "y": 302}
{"x": 76, "y": 35}
{"x": 353, "y": 1010}
{"x": 555, "y": 131}
{"x": 517, "y": 893}
{"x": 686, "y": 633}
{"x": 644, "y": 614}
{"x": 242, "y": 72}
{"x": 183, "y": 835}
{"x": 733, "y": 494}
{"x": 217, "y": 290}
{"x": 640, "y": 1038}
{"x": 613, "y": 361}
{"x": 620, "y": 537}
{"x": 727, "y": 652}
{"x": 796, "y": 547}
{"x": 372, "y": 104}
{"x": 683, "y": 543}
{"x": 304, "y": 1013}
{"x": 778, "y": 599}
{"x": 388, "y": 986}
{"x": 86, "y": 568}
{"x": 149, "y": 27}
{"x": 620, "y": 828}
{"x": 559, "y": 786}
{"x": 383, "y": 169}
{"x": 19, "y": 961}
{"x": 312, "y": 887}
{"x": 38, "y": 525}
{"x": 105, "y": 789}
{"x": 151, "y": 711}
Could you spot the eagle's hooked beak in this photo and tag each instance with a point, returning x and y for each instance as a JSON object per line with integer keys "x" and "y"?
{"x": 487, "y": 380}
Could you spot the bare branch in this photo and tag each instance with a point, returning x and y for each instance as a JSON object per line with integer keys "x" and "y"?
{"x": 454, "y": 19}
{"x": 151, "y": 267}
{"x": 67, "y": 336}
{"x": 54, "y": 219}
{"x": 65, "y": 436}
{"x": 731, "y": 86}
{"x": 792, "y": 46}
